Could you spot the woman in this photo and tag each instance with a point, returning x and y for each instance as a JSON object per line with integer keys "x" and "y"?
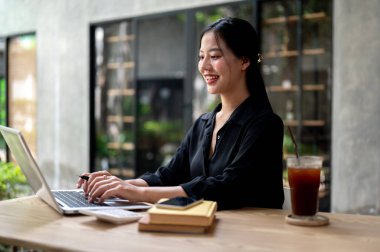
{"x": 232, "y": 155}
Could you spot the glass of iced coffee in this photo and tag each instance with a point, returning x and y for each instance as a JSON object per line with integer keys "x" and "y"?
{"x": 304, "y": 180}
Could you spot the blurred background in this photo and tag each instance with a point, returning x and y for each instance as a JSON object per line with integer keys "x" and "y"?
{"x": 113, "y": 85}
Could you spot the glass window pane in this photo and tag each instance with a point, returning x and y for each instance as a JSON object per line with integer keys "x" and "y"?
{"x": 279, "y": 48}
{"x": 316, "y": 68}
{"x": 114, "y": 98}
{"x": 160, "y": 85}
{"x": 160, "y": 121}
{"x": 23, "y": 86}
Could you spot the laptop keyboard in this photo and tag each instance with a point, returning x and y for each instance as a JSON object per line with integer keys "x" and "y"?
{"x": 74, "y": 199}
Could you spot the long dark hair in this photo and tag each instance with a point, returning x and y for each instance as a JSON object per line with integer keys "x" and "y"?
{"x": 241, "y": 38}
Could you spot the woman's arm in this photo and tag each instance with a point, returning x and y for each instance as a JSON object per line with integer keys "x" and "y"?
{"x": 102, "y": 188}
{"x": 153, "y": 194}
{"x": 137, "y": 182}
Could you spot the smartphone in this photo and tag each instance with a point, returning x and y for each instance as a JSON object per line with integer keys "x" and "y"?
{"x": 179, "y": 203}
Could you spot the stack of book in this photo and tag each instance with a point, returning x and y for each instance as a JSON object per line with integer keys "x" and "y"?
{"x": 197, "y": 219}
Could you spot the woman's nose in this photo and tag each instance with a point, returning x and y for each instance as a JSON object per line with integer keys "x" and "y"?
{"x": 204, "y": 64}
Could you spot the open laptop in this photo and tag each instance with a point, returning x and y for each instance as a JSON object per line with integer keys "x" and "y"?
{"x": 63, "y": 201}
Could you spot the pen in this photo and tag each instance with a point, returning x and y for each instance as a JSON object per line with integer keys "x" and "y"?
{"x": 84, "y": 177}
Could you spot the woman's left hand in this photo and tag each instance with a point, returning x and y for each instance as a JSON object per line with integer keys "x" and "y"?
{"x": 105, "y": 187}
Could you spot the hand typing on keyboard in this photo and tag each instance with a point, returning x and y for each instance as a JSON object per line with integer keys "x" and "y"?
{"x": 99, "y": 186}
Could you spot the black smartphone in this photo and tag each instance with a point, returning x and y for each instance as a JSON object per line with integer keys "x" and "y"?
{"x": 179, "y": 203}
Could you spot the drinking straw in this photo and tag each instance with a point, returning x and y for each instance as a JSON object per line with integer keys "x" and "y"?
{"x": 295, "y": 143}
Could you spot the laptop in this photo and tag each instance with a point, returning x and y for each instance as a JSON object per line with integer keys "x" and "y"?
{"x": 63, "y": 201}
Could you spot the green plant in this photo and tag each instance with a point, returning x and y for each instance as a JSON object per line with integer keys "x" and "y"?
{"x": 3, "y": 100}
{"x": 170, "y": 131}
{"x": 288, "y": 144}
{"x": 303, "y": 149}
{"x": 101, "y": 145}
{"x": 12, "y": 181}
{"x": 128, "y": 105}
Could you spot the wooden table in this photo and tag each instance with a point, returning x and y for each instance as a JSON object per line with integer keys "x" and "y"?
{"x": 30, "y": 223}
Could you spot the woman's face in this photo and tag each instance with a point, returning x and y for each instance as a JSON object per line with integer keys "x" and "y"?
{"x": 223, "y": 72}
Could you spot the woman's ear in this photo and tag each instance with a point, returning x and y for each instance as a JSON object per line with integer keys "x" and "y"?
{"x": 245, "y": 63}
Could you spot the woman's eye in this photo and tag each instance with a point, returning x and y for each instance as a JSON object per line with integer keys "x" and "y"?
{"x": 215, "y": 57}
{"x": 201, "y": 57}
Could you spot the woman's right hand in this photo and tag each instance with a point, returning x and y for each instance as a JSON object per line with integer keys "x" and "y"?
{"x": 91, "y": 177}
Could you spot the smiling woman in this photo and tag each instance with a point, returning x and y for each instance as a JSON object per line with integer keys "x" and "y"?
{"x": 218, "y": 65}
{"x": 232, "y": 155}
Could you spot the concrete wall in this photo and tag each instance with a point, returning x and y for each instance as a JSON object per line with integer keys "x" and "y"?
{"x": 62, "y": 28}
{"x": 356, "y": 107}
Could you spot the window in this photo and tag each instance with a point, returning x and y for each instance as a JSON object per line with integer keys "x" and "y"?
{"x": 296, "y": 44}
{"x": 113, "y": 99}
{"x": 160, "y": 84}
{"x": 22, "y": 86}
{"x": 143, "y": 92}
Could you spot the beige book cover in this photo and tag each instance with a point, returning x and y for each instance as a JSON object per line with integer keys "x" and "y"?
{"x": 145, "y": 225}
{"x": 198, "y": 215}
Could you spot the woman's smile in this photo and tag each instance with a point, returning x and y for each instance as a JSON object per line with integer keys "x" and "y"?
{"x": 211, "y": 78}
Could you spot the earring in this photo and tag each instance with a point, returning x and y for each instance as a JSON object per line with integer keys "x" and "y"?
{"x": 260, "y": 58}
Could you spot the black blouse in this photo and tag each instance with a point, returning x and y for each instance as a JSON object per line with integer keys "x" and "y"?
{"x": 246, "y": 167}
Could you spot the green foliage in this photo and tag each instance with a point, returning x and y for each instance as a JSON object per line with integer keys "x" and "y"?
{"x": 128, "y": 103}
{"x": 303, "y": 149}
{"x": 167, "y": 130}
{"x": 288, "y": 144}
{"x": 101, "y": 145}
{"x": 102, "y": 141}
{"x": 313, "y": 6}
{"x": 12, "y": 181}
{"x": 212, "y": 105}
{"x": 285, "y": 175}
{"x": 144, "y": 110}
{"x": 5, "y": 248}
{"x": 208, "y": 18}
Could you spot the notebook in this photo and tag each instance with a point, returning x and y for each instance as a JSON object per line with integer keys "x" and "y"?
{"x": 63, "y": 201}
